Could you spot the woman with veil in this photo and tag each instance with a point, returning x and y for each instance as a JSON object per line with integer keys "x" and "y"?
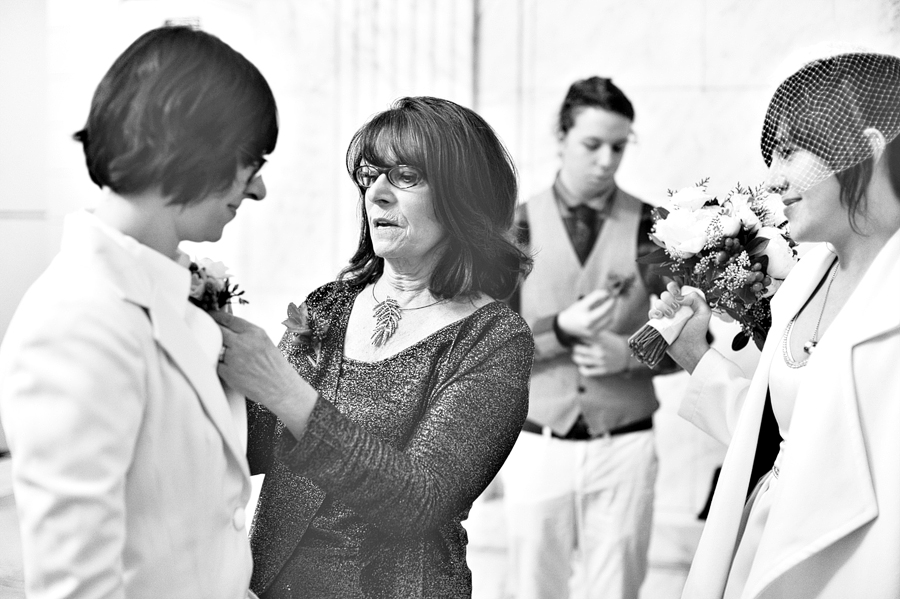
{"x": 824, "y": 521}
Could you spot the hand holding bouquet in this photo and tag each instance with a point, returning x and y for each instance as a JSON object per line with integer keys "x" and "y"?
{"x": 736, "y": 252}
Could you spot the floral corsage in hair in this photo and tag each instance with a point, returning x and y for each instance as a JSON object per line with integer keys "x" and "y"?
{"x": 736, "y": 253}
{"x": 306, "y": 330}
{"x": 210, "y": 286}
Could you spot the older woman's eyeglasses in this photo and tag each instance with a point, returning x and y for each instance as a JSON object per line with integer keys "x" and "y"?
{"x": 401, "y": 176}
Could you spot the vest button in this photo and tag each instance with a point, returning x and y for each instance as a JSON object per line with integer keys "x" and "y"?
{"x": 581, "y": 389}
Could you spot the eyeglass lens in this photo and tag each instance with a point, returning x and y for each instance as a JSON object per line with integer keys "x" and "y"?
{"x": 401, "y": 176}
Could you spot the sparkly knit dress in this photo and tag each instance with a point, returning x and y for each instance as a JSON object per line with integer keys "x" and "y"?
{"x": 369, "y": 501}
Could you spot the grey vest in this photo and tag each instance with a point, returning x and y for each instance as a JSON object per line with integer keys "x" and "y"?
{"x": 558, "y": 392}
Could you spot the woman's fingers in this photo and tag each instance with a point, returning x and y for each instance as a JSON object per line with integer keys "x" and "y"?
{"x": 230, "y": 321}
{"x": 696, "y": 301}
{"x": 674, "y": 289}
{"x": 665, "y": 305}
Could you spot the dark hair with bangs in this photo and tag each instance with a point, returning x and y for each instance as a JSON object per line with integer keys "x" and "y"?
{"x": 593, "y": 92}
{"x": 473, "y": 182}
{"x": 825, "y": 107}
{"x": 179, "y": 110}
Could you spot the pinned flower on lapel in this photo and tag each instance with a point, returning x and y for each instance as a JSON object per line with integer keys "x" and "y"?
{"x": 210, "y": 286}
{"x": 617, "y": 284}
{"x": 306, "y": 331}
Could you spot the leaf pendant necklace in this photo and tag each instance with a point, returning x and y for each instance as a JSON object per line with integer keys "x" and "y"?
{"x": 387, "y": 315}
{"x": 387, "y": 318}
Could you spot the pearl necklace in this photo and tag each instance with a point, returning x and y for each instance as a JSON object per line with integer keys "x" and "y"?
{"x": 810, "y": 345}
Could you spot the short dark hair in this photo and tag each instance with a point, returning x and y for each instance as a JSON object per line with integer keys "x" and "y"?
{"x": 179, "y": 109}
{"x": 593, "y": 92}
{"x": 473, "y": 182}
{"x": 858, "y": 99}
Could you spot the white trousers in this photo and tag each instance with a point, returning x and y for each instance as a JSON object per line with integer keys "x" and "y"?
{"x": 579, "y": 515}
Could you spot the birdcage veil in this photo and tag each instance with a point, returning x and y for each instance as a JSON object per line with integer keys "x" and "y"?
{"x": 826, "y": 108}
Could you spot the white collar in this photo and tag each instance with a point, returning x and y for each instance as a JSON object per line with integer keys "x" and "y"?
{"x": 168, "y": 279}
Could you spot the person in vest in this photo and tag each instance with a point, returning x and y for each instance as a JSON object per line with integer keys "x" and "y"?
{"x": 580, "y": 479}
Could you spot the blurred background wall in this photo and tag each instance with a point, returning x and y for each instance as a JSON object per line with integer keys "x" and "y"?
{"x": 699, "y": 73}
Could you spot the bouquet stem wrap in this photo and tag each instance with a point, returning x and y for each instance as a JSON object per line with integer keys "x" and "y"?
{"x": 650, "y": 343}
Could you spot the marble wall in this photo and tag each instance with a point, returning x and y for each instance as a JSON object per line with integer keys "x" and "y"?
{"x": 699, "y": 74}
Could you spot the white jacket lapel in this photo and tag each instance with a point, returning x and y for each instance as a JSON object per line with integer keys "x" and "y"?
{"x": 826, "y": 490}
{"x": 83, "y": 235}
{"x": 173, "y": 335}
{"x": 712, "y": 560}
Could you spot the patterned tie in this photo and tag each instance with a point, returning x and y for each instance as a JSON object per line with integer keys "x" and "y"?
{"x": 583, "y": 230}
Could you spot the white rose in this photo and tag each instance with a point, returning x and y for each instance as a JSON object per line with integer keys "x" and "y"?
{"x": 776, "y": 208}
{"x": 726, "y": 226}
{"x": 692, "y": 198}
{"x": 740, "y": 208}
{"x": 216, "y": 270}
{"x": 198, "y": 285}
{"x": 683, "y": 232}
{"x": 781, "y": 256}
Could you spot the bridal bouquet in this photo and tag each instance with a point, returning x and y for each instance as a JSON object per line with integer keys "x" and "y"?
{"x": 736, "y": 252}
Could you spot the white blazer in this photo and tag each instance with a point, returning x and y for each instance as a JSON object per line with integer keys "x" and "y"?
{"x": 128, "y": 473}
{"x": 834, "y": 528}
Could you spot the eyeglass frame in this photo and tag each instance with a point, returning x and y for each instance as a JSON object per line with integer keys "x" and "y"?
{"x": 256, "y": 162}
{"x": 382, "y": 170}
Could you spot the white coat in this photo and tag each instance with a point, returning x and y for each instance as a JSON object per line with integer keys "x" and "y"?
{"x": 834, "y": 528}
{"x": 128, "y": 472}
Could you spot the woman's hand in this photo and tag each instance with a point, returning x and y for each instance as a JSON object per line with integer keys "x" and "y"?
{"x": 691, "y": 344}
{"x": 253, "y": 366}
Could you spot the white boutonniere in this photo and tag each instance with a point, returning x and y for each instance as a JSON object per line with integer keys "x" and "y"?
{"x": 211, "y": 288}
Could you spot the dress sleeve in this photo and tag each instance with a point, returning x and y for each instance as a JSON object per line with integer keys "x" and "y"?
{"x": 73, "y": 398}
{"x": 263, "y": 425}
{"x": 466, "y": 432}
{"x": 715, "y": 395}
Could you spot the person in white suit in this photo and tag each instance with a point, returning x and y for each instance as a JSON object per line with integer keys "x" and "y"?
{"x": 129, "y": 472}
{"x": 824, "y": 522}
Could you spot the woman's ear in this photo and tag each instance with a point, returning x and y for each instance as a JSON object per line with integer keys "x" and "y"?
{"x": 876, "y": 142}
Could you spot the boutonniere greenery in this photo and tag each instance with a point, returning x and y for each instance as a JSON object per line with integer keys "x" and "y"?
{"x": 211, "y": 288}
{"x": 306, "y": 331}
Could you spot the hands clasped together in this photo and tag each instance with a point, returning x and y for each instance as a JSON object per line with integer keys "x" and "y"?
{"x": 598, "y": 351}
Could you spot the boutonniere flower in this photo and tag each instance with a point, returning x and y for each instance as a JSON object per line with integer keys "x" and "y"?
{"x": 306, "y": 331}
{"x": 617, "y": 284}
{"x": 211, "y": 288}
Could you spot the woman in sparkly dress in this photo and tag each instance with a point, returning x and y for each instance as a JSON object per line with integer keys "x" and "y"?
{"x": 824, "y": 522}
{"x": 413, "y": 378}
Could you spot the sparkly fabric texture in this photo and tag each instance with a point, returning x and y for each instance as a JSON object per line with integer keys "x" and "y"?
{"x": 369, "y": 502}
